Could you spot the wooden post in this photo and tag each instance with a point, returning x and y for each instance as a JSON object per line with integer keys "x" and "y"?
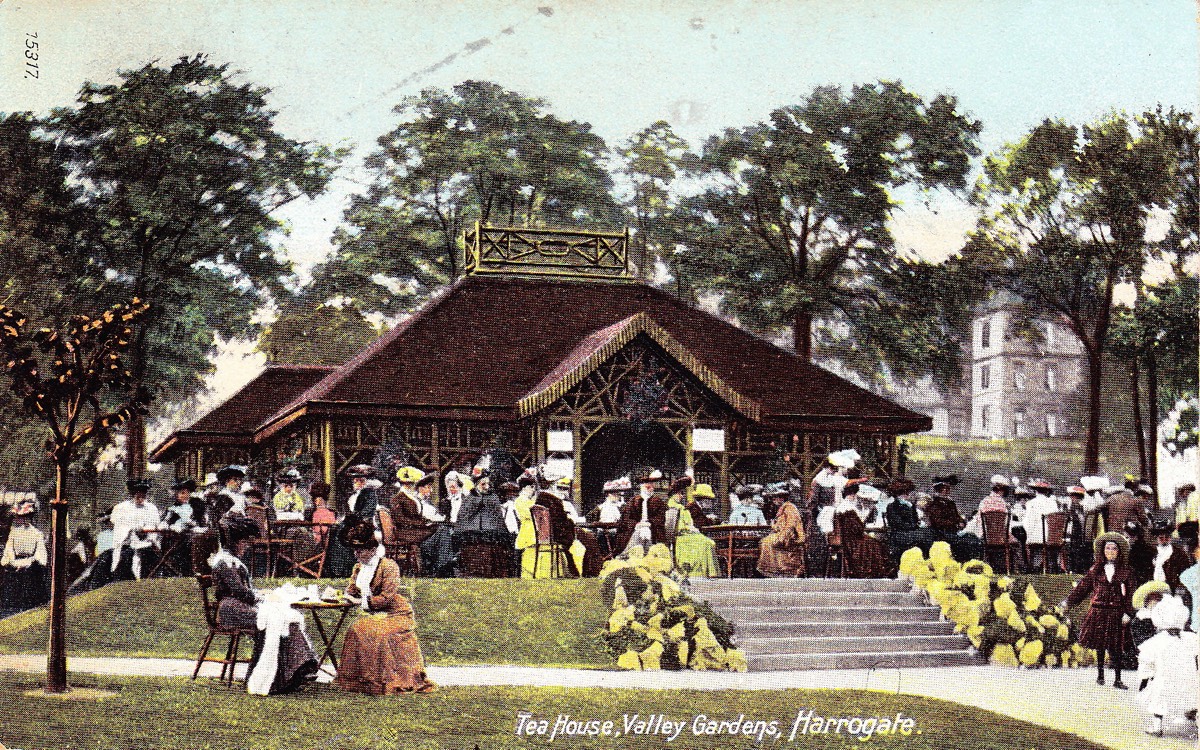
{"x": 327, "y": 452}
{"x": 56, "y": 659}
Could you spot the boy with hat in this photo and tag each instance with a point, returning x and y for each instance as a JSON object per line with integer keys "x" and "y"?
{"x": 134, "y": 522}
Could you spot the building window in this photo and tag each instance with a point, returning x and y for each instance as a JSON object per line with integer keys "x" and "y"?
{"x": 985, "y": 377}
{"x": 985, "y": 336}
{"x": 1019, "y": 376}
{"x": 1019, "y": 424}
{"x": 983, "y": 419}
{"x": 1051, "y": 379}
{"x": 1051, "y": 425}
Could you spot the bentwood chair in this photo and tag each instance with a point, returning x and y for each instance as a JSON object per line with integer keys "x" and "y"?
{"x": 215, "y": 628}
{"x": 544, "y": 542}
{"x": 1054, "y": 533}
{"x": 996, "y": 536}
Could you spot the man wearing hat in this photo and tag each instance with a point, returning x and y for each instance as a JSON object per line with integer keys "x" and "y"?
{"x": 644, "y": 519}
{"x": 1123, "y": 507}
{"x": 23, "y": 562}
{"x": 1079, "y": 540}
{"x": 135, "y": 543}
{"x": 1042, "y": 504}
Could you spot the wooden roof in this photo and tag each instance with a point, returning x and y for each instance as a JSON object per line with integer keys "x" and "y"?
{"x": 500, "y": 348}
{"x": 489, "y": 345}
{"x": 234, "y": 421}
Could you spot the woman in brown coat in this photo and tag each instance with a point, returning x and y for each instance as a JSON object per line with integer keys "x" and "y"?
{"x": 781, "y": 553}
{"x": 380, "y": 655}
{"x": 1109, "y": 582}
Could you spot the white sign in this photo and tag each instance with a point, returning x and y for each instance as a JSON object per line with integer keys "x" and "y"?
{"x": 712, "y": 441}
{"x": 559, "y": 440}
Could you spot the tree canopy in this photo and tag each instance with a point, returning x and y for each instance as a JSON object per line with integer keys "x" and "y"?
{"x": 182, "y": 168}
{"x": 793, "y": 226}
{"x": 475, "y": 153}
{"x": 1065, "y": 215}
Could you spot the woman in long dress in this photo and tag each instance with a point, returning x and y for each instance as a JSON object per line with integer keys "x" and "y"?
{"x": 381, "y": 655}
{"x": 283, "y": 658}
{"x": 694, "y": 552}
{"x": 781, "y": 553}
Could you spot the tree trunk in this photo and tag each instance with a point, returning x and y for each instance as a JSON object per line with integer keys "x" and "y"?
{"x": 802, "y": 335}
{"x": 1152, "y": 399}
{"x": 1091, "y": 451}
{"x": 56, "y": 661}
{"x": 1139, "y": 428}
{"x": 135, "y": 446}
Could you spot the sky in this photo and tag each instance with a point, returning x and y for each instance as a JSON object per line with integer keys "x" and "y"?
{"x": 337, "y": 68}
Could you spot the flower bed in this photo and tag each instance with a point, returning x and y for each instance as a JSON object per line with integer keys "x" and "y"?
{"x": 1004, "y": 618}
{"x": 655, "y": 625}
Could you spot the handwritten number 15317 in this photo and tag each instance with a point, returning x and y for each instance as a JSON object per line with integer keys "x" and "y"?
{"x": 31, "y": 55}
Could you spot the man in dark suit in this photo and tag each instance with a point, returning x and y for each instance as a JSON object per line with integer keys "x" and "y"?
{"x": 646, "y": 514}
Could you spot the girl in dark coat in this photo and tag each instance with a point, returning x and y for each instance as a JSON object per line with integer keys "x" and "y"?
{"x": 1109, "y": 582}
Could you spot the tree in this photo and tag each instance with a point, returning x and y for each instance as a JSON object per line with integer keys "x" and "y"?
{"x": 793, "y": 227}
{"x": 182, "y": 169}
{"x": 476, "y": 153}
{"x": 76, "y": 382}
{"x": 651, "y": 160}
{"x": 1065, "y": 214}
{"x": 1158, "y": 340}
{"x": 313, "y": 333}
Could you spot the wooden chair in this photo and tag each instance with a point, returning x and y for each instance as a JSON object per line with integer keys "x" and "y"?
{"x": 312, "y": 565}
{"x": 229, "y": 663}
{"x": 838, "y": 552}
{"x": 996, "y": 535}
{"x": 544, "y": 542}
{"x": 1054, "y": 533}
{"x": 266, "y": 543}
{"x": 403, "y": 543}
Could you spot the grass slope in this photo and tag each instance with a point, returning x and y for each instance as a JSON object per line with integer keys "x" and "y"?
{"x": 459, "y": 621}
{"x": 152, "y": 713}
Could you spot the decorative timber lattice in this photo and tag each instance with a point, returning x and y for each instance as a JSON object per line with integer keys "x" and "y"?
{"x": 639, "y": 383}
{"x": 546, "y": 252}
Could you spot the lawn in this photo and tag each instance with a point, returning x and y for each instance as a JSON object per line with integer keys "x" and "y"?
{"x": 152, "y": 713}
{"x": 459, "y": 621}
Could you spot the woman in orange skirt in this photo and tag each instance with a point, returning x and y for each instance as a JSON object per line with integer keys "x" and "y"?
{"x": 380, "y": 655}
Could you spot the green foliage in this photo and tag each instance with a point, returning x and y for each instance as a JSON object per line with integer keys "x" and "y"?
{"x": 1066, "y": 213}
{"x": 313, "y": 333}
{"x": 179, "y": 169}
{"x": 792, "y": 230}
{"x": 650, "y": 162}
{"x": 475, "y": 153}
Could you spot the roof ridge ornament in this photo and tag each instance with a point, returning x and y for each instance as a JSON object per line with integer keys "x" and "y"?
{"x": 540, "y": 252}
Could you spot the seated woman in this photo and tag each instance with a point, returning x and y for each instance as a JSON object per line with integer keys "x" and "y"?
{"x": 283, "y": 658}
{"x": 867, "y": 557}
{"x": 781, "y": 553}
{"x": 694, "y": 552}
{"x": 381, "y": 655}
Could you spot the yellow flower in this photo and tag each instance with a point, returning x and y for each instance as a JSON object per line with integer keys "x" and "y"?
{"x": 1004, "y": 655}
{"x": 651, "y": 656}
{"x": 676, "y": 633}
{"x": 620, "y": 618}
{"x": 735, "y": 660}
{"x": 975, "y": 633}
{"x": 682, "y": 647}
{"x": 1015, "y": 622}
{"x": 1051, "y": 660}
{"x": 1032, "y": 600}
{"x": 1033, "y": 623}
{"x": 1031, "y": 653}
{"x": 940, "y": 551}
{"x": 620, "y": 600}
{"x": 629, "y": 660}
{"x": 1004, "y": 582}
{"x": 1048, "y": 621}
{"x": 1004, "y": 606}
{"x": 911, "y": 560}
{"x": 1062, "y": 633}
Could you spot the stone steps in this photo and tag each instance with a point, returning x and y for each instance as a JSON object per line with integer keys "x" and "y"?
{"x": 834, "y": 623}
{"x": 866, "y": 660}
